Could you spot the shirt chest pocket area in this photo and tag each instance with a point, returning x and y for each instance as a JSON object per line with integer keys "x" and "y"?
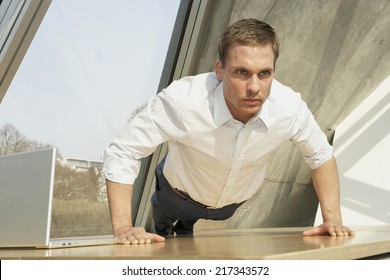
{"x": 255, "y": 149}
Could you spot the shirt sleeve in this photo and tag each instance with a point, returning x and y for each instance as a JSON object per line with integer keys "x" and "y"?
{"x": 310, "y": 139}
{"x": 138, "y": 139}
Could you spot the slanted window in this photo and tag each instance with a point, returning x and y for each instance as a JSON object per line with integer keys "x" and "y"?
{"x": 90, "y": 64}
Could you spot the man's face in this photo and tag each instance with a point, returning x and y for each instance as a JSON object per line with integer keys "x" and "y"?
{"x": 247, "y": 77}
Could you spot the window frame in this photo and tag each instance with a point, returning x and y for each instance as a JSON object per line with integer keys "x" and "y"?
{"x": 20, "y": 20}
{"x": 187, "y": 35}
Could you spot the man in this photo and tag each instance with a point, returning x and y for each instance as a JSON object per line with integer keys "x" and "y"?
{"x": 220, "y": 128}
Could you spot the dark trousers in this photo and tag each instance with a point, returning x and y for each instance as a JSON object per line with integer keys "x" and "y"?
{"x": 177, "y": 212}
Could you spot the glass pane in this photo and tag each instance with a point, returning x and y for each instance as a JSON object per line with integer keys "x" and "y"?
{"x": 89, "y": 66}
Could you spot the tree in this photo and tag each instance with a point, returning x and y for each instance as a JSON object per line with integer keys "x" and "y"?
{"x": 12, "y": 141}
{"x": 69, "y": 183}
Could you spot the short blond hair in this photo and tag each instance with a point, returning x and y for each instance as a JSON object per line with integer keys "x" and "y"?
{"x": 248, "y": 32}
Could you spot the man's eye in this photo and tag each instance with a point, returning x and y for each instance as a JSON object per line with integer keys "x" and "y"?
{"x": 242, "y": 72}
{"x": 265, "y": 73}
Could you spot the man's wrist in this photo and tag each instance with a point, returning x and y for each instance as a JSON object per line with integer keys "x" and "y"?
{"x": 118, "y": 230}
{"x": 333, "y": 220}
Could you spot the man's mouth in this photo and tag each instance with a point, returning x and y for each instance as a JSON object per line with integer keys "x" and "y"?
{"x": 252, "y": 101}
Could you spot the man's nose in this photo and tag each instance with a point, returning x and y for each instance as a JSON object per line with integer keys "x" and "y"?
{"x": 254, "y": 85}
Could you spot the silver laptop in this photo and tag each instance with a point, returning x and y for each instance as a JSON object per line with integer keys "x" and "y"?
{"x": 26, "y": 195}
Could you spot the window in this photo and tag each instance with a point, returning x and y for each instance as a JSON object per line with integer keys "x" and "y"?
{"x": 19, "y": 20}
{"x": 90, "y": 64}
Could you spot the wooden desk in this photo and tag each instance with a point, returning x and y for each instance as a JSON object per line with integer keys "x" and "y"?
{"x": 273, "y": 243}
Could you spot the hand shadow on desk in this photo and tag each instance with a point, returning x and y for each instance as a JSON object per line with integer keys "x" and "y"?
{"x": 144, "y": 250}
{"x": 327, "y": 241}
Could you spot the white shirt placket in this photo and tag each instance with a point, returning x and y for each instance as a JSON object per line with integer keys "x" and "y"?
{"x": 243, "y": 133}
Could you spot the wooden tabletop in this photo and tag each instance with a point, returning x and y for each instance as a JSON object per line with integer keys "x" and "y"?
{"x": 270, "y": 243}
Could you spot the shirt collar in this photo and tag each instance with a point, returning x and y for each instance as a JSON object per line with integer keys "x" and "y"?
{"x": 263, "y": 115}
{"x": 222, "y": 114}
{"x": 221, "y": 110}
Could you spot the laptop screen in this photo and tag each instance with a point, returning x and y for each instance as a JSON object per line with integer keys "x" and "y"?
{"x": 25, "y": 197}
{"x": 43, "y": 196}
{"x": 80, "y": 206}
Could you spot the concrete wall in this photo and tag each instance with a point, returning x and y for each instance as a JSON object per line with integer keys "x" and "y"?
{"x": 335, "y": 52}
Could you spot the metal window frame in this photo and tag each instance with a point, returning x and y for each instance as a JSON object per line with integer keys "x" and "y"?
{"x": 181, "y": 61}
{"x": 20, "y": 20}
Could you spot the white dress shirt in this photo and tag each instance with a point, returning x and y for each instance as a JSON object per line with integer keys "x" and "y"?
{"x": 214, "y": 158}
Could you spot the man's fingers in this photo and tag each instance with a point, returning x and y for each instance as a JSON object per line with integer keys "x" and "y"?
{"x": 123, "y": 240}
{"x": 344, "y": 231}
{"x": 140, "y": 239}
{"x": 149, "y": 237}
{"x": 138, "y": 235}
{"x": 156, "y": 237}
{"x": 311, "y": 232}
{"x": 329, "y": 229}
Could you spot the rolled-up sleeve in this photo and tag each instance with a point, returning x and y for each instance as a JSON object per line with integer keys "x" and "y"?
{"x": 138, "y": 139}
{"x": 310, "y": 139}
{"x": 157, "y": 122}
{"x": 119, "y": 169}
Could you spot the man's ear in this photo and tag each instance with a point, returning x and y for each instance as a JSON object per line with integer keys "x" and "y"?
{"x": 218, "y": 68}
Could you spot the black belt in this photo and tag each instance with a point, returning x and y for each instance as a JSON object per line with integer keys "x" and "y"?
{"x": 187, "y": 198}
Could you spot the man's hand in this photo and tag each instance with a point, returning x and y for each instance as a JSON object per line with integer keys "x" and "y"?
{"x": 136, "y": 235}
{"x": 119, "y": 200}
{"x": 327, "y": 186}
{"x": 329, "y": 228}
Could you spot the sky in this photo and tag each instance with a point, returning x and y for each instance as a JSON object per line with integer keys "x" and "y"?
{"x": 90, "y": 64}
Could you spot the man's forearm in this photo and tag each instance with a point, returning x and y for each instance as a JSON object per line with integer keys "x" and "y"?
{"x": 327, "y": 186}
{"x": 120, "y": 203}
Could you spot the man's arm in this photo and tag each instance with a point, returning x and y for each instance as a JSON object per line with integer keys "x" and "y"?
{"x": 327, "y": 186}
{"x": 120, "y": 203}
